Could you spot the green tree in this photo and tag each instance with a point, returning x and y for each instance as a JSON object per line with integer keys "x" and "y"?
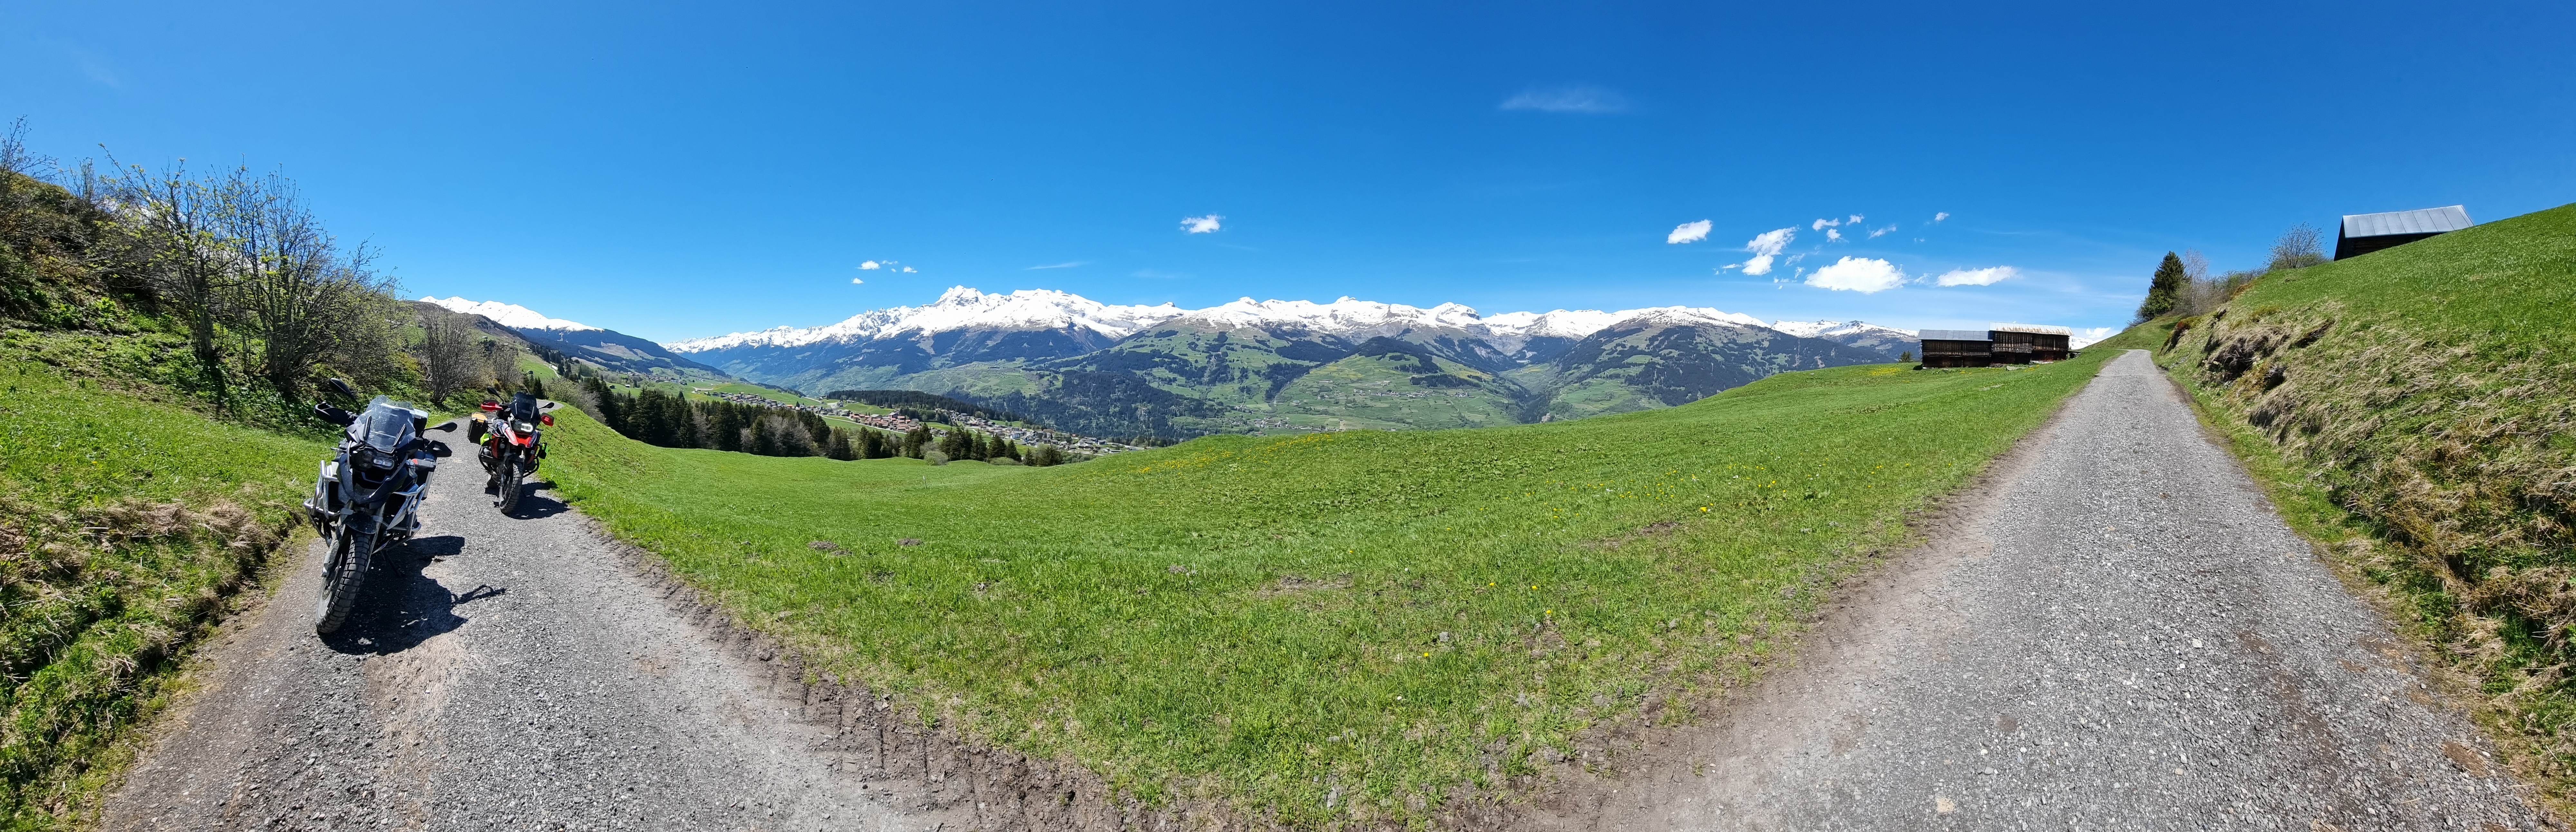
{"x": 2164, "y": 287}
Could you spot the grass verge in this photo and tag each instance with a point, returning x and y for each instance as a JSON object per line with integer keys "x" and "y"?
{"x": 128, "y": 522}
{"x": 1328, "y": 627}
{"x": 2413, "y": 411}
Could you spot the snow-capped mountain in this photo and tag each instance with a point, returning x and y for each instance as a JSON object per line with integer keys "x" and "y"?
{"x": 963, "y": 308}
{"x": 607, "y": 348}
{"x": 510, "y": 315}
{"x": 1885, "y": 339}
{"x": 960, "y": 308}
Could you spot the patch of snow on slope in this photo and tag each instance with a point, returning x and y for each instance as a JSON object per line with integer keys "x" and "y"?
{"x": 510, "y": 315}
{"x": 1345, "y": 315}
{"x": 1829, "y": 329}
{"x": 959, "y": 308}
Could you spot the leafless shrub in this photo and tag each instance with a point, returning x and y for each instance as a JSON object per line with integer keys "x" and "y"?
{"x": 450, "y": 357}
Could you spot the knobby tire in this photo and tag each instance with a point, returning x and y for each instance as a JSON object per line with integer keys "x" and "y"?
{"x": 343, "y": 574}
{"x": 511, "y": 480}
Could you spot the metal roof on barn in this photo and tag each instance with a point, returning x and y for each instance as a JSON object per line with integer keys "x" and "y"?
{"x": 2419, "y": 221}
{"x": 1956, "y": 335}
{"x": 2036, "y": 329}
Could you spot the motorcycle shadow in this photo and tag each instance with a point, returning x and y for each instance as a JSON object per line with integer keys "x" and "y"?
{"x": 402, "y": 606}
{"x": 535, "y": 506}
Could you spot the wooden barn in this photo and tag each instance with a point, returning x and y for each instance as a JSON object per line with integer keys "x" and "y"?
{"x": 2025, "y": 343}
{"x": 1957, "y": 348}
{"x": 2366, "y": 233}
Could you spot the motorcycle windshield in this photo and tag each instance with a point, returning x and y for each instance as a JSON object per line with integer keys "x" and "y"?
{"x": 386, "y": 426}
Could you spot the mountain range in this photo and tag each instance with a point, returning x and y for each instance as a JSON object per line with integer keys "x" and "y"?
{"x": 1252, "y": 366}
{"x": 609, "y": 349}
{"x": 1247, "y": 366}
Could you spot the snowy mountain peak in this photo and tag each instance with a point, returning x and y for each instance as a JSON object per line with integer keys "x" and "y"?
{"x": 1828, "y": 329}
{"x": 963, "y": 307}
{"x": 960, "y": 307}
{"x": 1344, "y": 315}
{"x": 510, "y": 315}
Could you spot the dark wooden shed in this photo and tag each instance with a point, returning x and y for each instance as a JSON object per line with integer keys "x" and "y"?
{"x": 2025, "y": 343}
{"x": 1957, "y": 348}
{"x": 2365, "y": 233}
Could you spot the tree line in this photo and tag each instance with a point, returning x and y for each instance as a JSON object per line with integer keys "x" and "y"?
{"x": 673, "y": 420}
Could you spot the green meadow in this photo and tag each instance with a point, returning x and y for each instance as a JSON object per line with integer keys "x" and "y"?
{"x": 128, "y": 520}
{"x": 1353, "y": 625}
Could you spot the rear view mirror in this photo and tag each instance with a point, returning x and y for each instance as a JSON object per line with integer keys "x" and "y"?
{"x": 548, "y": 421}
{"x": 341, "y": 386}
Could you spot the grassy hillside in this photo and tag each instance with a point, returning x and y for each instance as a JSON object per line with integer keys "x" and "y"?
{"x": 1340, "y": 625}
{"x": 127, "y": 521}
{"x": 2427, "y": 393}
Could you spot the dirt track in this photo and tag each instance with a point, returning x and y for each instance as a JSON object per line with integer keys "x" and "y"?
{"x": 513, "y": 673}
{"x": 2115, "y": 632}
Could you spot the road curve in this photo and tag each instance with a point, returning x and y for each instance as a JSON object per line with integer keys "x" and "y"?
{"x": 2116, "y": 631}
{"x": 504, "y": 673}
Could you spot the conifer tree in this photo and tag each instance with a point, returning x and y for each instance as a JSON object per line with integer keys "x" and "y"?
{"x": 2164, "y": 288}
{"x": 839, "y": 446}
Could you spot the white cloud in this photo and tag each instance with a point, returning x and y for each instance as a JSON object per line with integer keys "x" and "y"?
{"x": 1875, "y": 233}
{"x": 908, "y": 270}
{"x": 1570, "y": 98}
{"x": 1201, "y": 225}
{"x": 1730, "y": 266}
{"x": 1855, "y": 219}
{"x": 856, "y": 281}
{"x": 1824, "y": 224}
{"x": 2088, "y": 337}
{"x": 1064, "y": 265}
{"x": 1831, "y": 234}
{"x": 1863, "y": 275}
{"x": 1940, "y": 216}
{"x": 1977, "y": 277}
{"x": 871, "y": 266}
{"x": 1766, "y": 245}
{"x": 1689, "y": 232}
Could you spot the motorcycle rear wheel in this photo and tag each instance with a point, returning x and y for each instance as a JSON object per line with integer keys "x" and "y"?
{"x": 344, "y": 573}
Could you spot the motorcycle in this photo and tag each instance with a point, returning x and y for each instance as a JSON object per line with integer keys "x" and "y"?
{"x": 367, "y": 498}
{"x": 510, "y": 441}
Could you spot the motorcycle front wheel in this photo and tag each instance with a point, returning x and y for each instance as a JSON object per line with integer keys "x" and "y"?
{"x": 343, "y": 574}
{"x": 509, "y": 479}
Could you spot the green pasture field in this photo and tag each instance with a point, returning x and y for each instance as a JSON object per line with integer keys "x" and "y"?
{"x": 1373, "y": 621}
{"x": 126, "y": 522}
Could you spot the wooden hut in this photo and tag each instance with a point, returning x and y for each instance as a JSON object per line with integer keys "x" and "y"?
{"x": 1957, "y": 348}
{"x": 2025, "y": 343}
{"x": 2365, "y": 233}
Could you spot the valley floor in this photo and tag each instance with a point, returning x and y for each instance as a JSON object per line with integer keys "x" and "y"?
{"x": 2114, "y": 631}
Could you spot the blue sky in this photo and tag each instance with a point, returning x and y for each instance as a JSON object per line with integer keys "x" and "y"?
{"x": 676, "y": 171}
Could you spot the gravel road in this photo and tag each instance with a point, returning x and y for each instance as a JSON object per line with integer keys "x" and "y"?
{"x": 2114, "y": 632}
{"x": 512, "y": 673}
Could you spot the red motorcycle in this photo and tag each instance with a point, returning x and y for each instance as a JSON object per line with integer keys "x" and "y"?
{"x": 510, "y": 442}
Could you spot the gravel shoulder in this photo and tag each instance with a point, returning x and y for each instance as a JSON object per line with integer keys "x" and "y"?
{"x": 518, "y": 673}
{"x": 2114, "y": 630}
